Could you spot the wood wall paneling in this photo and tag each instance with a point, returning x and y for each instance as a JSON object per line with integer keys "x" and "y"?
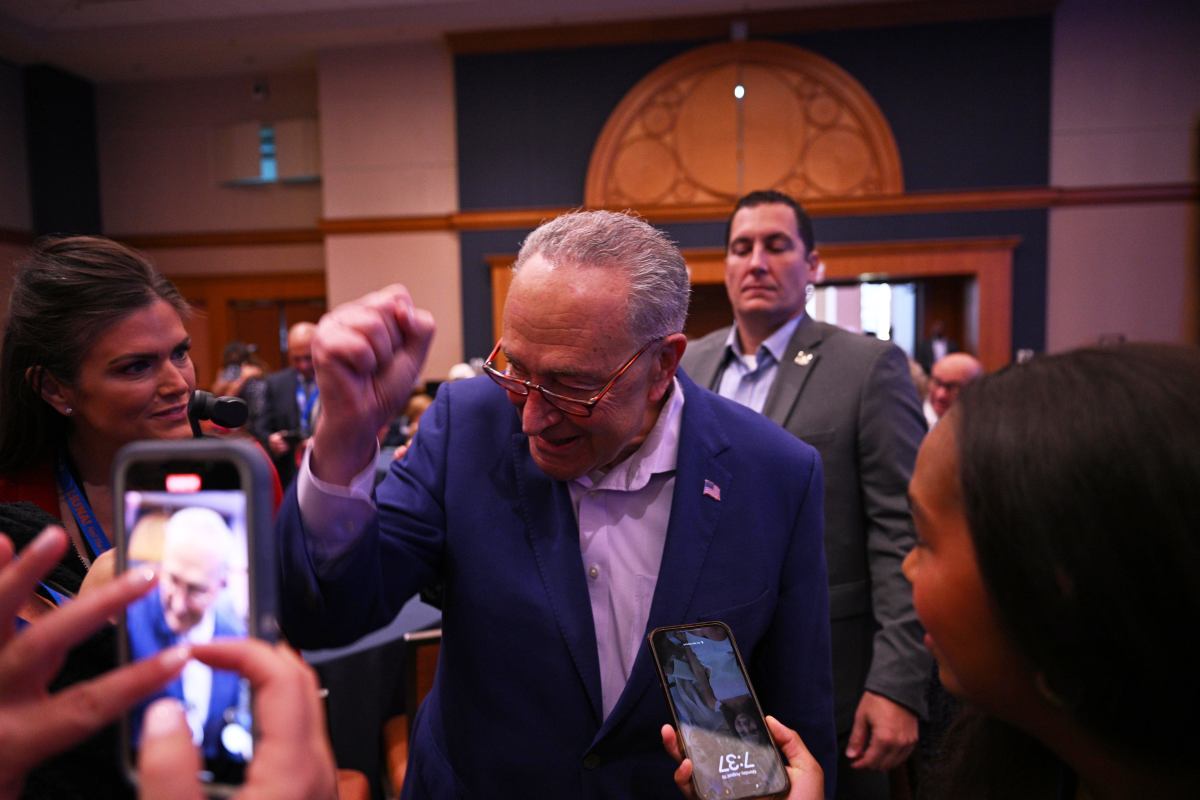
{"x": 217, "y": 298}
{"x": 804, "y": 126}
{"x": 1002, "y": 199}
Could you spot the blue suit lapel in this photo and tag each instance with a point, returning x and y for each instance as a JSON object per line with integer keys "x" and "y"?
{"x": 694, "y": 519}
{"x": 553, "y": 533}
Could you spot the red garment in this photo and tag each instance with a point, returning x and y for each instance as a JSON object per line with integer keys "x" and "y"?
{"x": 35, "y": 485}
{"x": 38, "y": 485}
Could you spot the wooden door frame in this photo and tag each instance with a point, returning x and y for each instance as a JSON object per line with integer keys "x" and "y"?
{"x": 216, "y": 292}
{"x": 987, "y": 261}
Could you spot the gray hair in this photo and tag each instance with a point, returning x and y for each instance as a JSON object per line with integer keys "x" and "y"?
{"x": 203, "y": 528}
{"x": 658, "y": 277}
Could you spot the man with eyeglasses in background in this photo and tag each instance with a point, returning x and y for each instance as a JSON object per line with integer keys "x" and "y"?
{"x": 947, "y": 378}
{"x": 618, "y": 497}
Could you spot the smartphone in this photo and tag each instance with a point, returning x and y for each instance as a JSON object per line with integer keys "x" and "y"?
{"x": 716, "y": 713}
{"x": 199, "y": 511}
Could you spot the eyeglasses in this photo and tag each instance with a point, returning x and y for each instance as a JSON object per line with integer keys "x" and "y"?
{"x": 575, "y": 406}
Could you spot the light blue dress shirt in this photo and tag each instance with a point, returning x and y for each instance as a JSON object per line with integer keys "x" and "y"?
{"x": 747, "y": 379}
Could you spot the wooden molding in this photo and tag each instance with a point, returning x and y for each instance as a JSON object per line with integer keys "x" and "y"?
{"x": 439, "y": 222}
{"x": 759, "y": 23}
{"x": 503, "y": 219}
{"x": 912, "y": 203}
{"x": 279, "y": 285}
{"x": 222, "y": 238}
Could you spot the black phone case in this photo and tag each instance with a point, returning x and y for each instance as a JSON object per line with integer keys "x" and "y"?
{"x": 663, "y": 682}
{"x": 256, "y": 483}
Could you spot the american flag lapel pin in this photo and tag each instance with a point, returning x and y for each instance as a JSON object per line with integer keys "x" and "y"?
{"x": 712, "y": 490}
{"x": 803, "y": 358}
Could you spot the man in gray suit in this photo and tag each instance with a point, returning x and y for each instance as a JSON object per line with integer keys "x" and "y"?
{"x": 849, "y": 396}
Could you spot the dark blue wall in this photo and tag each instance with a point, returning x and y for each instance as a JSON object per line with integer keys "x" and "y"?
{"x": 969, "y": 104}
{"x": 60, "y": 131}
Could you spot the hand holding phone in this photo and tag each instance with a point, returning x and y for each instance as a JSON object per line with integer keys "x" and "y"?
{"x": 720, "y": 724}
{"x": 804, "y": 772}
{"x": 293, "y": 757}
{"x": 199, "y": 513}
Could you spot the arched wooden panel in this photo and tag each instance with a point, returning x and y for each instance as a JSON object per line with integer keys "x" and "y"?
{"x": 804, "y": 126}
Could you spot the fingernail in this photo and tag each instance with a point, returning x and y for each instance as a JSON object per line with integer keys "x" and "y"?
{"x": 174, "y": 656}
{"x": 140, "y": 576}
{"x": 164, "y": 717}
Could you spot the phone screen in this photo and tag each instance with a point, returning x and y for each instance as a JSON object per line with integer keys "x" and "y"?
{"x": 189, "y": 520}
{"x": 716, "y": 713}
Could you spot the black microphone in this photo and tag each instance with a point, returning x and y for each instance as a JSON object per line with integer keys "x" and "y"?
{"x": 228, "y": 412}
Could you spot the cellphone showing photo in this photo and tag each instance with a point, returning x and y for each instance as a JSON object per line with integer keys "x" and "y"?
{"x": 716, "y": 713}
{"x": 199, "y": 513}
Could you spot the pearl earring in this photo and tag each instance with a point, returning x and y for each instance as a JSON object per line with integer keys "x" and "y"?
{"x": 68, "y": 411}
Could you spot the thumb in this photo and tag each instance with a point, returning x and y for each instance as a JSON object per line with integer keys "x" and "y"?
{"x": 167, "y": 760}
{"x": 858, "y": 735}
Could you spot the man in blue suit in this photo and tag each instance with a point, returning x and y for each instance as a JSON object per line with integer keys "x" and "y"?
{"x": 187, "y": 606}
{"x": 596, "y": 494}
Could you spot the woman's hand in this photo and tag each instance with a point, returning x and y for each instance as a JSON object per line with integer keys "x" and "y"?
{"x": 292, "y": 757}
{"x": 35, "y": 724}
{"x": 807, "y": 779}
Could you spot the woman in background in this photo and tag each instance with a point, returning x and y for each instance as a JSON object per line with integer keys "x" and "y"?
{"x": 1057, "y": 509}
{"x": 95, "y": 356}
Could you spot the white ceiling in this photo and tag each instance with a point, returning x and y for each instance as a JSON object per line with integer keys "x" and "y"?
{"x": 129, "y": 40}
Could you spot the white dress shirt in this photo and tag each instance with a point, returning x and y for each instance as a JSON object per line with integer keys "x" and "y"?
{"x": 623, "y": 516}
{"x": 197, "y": 677}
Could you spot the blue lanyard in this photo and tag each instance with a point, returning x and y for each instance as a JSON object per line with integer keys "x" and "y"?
{"x": 55, "y": 596}
{"x": 305, "y": 401}
{"x": 89, "y": 526}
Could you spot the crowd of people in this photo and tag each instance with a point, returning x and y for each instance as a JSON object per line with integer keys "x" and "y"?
{"x": 605, "y": 478}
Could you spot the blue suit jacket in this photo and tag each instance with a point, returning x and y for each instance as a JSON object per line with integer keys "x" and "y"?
{"x": 515, "y": 710}
{"x": 149, "y": 634}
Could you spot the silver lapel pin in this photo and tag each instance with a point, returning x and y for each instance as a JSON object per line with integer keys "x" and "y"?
{"x": 804, "y": 358}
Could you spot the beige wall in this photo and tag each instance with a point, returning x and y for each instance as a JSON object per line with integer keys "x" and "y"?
{"x": 158, "y": 148}
{"x": 388, "y": 149}
{"x": 1126, "y": 110}
{"x": 388, "y": 140}
{"x": 426, "y": 263}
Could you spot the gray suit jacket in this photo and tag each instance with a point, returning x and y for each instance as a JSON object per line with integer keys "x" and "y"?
{"x": 851, "y": 397}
